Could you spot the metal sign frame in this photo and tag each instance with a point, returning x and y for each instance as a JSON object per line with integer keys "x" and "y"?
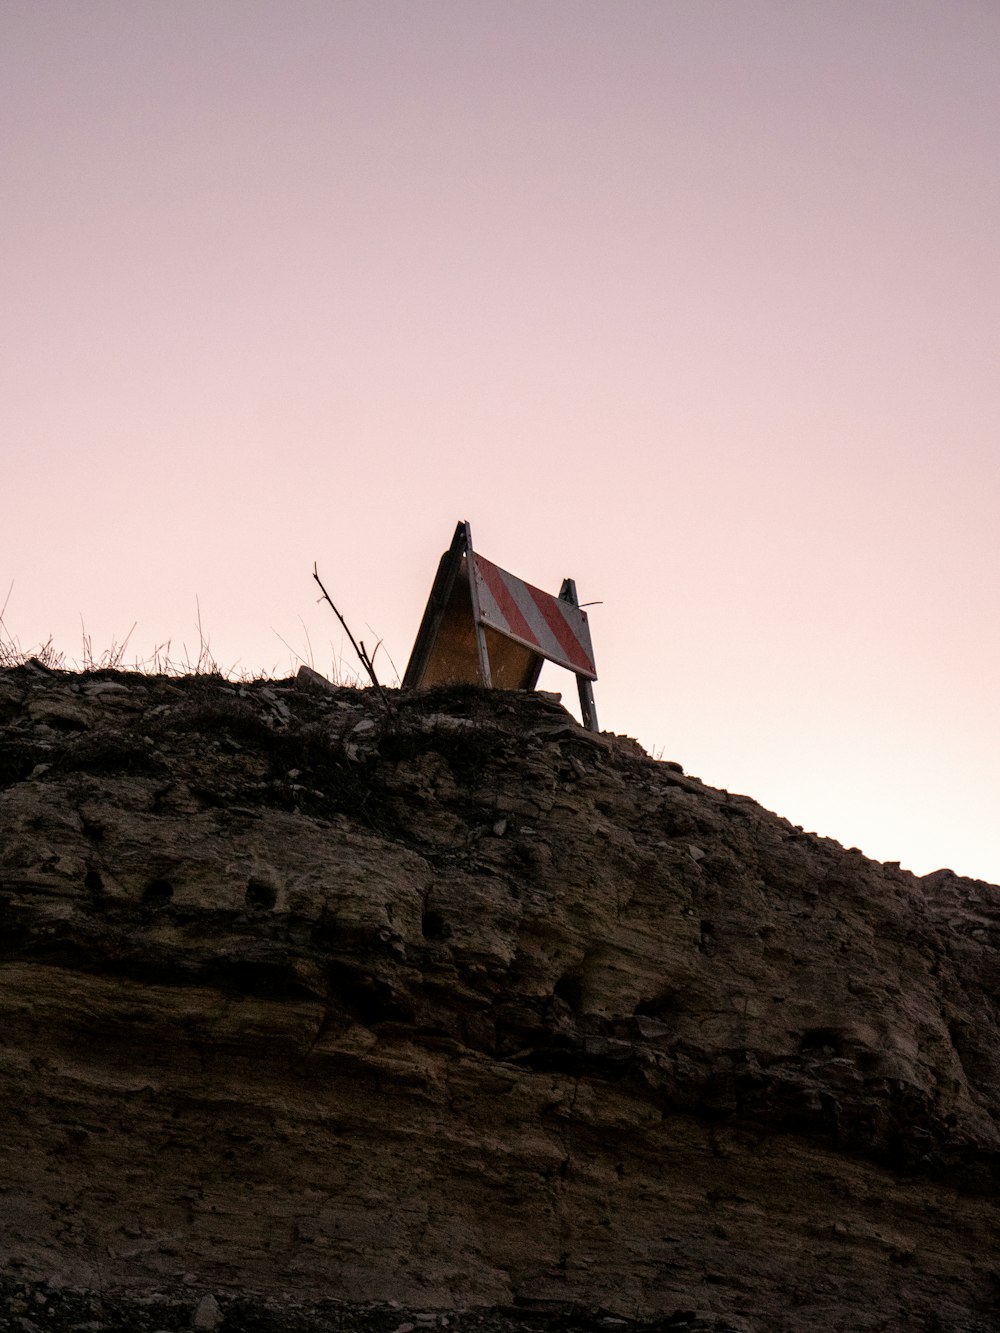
{"x": 461, "y": 641}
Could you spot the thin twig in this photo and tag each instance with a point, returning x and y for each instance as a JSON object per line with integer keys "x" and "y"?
{"x": 311, "y": 661}
{"x": 298, "y": 656}
{"x": 381, "y": 645}
{"x": 366, "y": 661}
{"x": 206, "y": 664}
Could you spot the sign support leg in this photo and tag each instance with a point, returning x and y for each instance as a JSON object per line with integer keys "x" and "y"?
{"x": 588, "y": 711}
{"x": 437, "y": 604}
{"x": 482, "y": 650}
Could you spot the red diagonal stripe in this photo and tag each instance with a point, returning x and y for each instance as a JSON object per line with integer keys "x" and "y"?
{"x": 556, "y": 621}
{"x": 509, "y": 608}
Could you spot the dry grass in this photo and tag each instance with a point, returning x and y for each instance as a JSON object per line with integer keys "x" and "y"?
{"x": 164, "y": 660}
{"x": 161, "y": 662}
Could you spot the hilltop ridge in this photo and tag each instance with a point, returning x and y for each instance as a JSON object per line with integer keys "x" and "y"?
{"x": 467, "y": 1008}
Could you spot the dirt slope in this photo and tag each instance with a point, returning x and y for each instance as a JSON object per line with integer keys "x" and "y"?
{"x": 468, "y": 1008}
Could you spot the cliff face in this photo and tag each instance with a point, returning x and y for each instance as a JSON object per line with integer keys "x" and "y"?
{"x": 469, "y": 1007}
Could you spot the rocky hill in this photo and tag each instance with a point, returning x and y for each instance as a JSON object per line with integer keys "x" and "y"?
{"x": 315, "y": 1017}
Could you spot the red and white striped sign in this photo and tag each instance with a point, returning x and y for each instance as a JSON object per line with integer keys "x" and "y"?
{"x": 556, "y": 629}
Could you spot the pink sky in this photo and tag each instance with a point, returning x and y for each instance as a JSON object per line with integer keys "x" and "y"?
{"x": 697, "y": 303}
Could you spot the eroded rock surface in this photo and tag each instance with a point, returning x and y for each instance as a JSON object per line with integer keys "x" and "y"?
{"x": 468, "y": 1008}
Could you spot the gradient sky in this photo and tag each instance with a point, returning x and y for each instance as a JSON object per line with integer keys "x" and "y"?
{"x": 698, "y": 303}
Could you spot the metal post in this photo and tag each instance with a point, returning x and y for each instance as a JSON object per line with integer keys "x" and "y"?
{"x": 484, "y": 656}
{"x": 437, "y": 605}
{"x": 588, "y": 711}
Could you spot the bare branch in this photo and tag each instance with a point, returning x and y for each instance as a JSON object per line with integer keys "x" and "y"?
{"x": 359, "y": 648}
